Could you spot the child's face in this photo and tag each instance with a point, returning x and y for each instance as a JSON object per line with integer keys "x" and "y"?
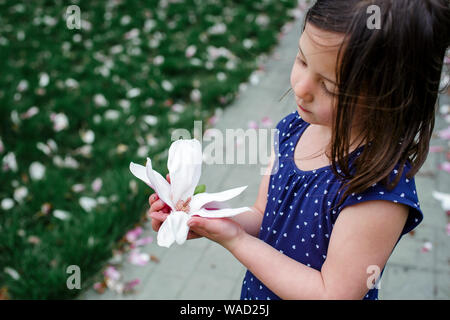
{"x": 313, "y": 74}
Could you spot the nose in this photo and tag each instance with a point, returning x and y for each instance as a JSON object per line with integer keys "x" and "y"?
{"x": 303, "y": 89}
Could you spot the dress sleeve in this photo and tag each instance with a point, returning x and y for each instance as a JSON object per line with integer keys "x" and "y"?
{"x": 287, "y": 125}
{"x": 405, "y": 192}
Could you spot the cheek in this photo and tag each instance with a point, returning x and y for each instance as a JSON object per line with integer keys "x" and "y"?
{"x": 292, "y": 78}
{"x": 324, "y": 109}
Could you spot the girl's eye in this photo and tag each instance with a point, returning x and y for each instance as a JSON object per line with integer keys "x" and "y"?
{"x": 326, "y": 91}
{"x": 301, "y": 61}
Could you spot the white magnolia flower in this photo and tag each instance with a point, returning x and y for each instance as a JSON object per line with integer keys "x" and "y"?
{"x": 444, "y": 198}
{"x": 190, "y": 51}
{"x": 20, "y": 194}
{"x": 167, "y": 85}
{"x": 12, "y": 273}
{"x": 196, "y": 95}
{"x": 37, "y": 170}
{"x": 30, "y": 112}
{"x": 22, "y": 86}
{"x": 9, "y": 162}
{"x": 150, "y": 120}
{"x": 88, "y": 203}
{"x": 112, "y": 114}
{"x": 61, "y": 214}
{"x": 78, "y": 187}
{"x": 60, "y": 121}
{"x": 7, "y": 203}
{"x": 133, "y": 93}
{"x": 184, "y": 164}
{"x": 97, "y": 185}
{"x": 100, "y": 100}
{"x": 44, "y": 79}
{"x": 87, "y": 136}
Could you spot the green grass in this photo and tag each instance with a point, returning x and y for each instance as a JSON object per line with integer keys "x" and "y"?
{"x": 34, "y": 41}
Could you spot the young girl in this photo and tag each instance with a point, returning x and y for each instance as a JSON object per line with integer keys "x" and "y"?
{"x": 324, "y": 225}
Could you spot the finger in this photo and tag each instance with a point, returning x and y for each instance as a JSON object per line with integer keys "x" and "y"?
{"x": 158, "y": 216}
{"x": 193, "y": 235}
{"x": 156, "y": 225}
{"x": 153, "y": 198}
{"x": 157, "y": 219}
{"x": 157, "y": 205}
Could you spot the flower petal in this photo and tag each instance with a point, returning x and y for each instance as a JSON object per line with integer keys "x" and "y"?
{"x": 221, "y": 213}
{"x": 174, "y": 228}
{"x": 139, "y": 172}
{"x": 185, "y": 167}
{"x": 161, "y": 186}
{"x": 201, "y": 200}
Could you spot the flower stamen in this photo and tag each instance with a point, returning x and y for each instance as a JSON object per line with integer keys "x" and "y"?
{"x": 183, "y": 205}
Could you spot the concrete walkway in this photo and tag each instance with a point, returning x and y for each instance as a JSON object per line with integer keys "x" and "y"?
{"x": 201, "y": 269}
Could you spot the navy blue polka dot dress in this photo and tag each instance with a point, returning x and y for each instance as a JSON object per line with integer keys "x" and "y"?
{"x": 297, "y": 220}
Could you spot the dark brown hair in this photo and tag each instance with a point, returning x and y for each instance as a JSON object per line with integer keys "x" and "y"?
{"x": 396, "y": 70}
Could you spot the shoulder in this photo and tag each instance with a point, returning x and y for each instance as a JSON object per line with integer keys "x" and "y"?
{"x": 363, "y": 238}
{"x": 378, "y": 198}
{"x": 288, "y": 126}
{"x": 377, "y": 212}
{"x": 288, "y": 121}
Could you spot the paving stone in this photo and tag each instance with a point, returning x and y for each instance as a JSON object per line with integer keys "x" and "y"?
{"x": 162, "y": 286}
{"x": 219, "y": 262}
{"x": 442, "y": 289}
{"x": 408, "y": 251}
{"x": 409, "y": 283}
{"x": 441, "y": 248}
{"x": 206, "y": 286}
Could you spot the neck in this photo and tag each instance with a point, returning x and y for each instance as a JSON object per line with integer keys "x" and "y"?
{"x": 325, "y": 132}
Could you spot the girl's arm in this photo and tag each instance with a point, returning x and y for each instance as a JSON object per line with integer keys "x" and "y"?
{"x": 362, "y": 240}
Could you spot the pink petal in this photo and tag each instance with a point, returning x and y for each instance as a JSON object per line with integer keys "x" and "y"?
{"x": 448, "y": 229}
{"x": 436, "y": 148}
{"x": 213, "y": 120}
{"x": 444, "y": 134}
{"x": 111, "y": 273}
{"x": 97, "y": 185}
{"x": 133, "y": 234}
{"x": 143, "y": 241}
{"x": 131, "y": 284}
{"x": 445, "y": 166}
{"x": 138, "y": 258}
{"x": 427, "y": 246}
{"x": 252, "y": 124}
{"x": 267, "y": 122}
{"x": 98, "y": 286}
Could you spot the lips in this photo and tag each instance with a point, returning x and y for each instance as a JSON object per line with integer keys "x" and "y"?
{"x": 302, "y": 108}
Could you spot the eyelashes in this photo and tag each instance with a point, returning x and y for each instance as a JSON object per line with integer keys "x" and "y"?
{"x": 327, "y": 92}
{"x": 322, "y": 84}
{"x": 300, "y": 60}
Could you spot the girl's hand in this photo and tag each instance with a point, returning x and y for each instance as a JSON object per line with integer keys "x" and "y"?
{"x": 159, "y": 211}
{"x": 224, "y": 231}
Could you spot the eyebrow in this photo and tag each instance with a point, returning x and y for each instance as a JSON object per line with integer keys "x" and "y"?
{"x": 319, "y": 73}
